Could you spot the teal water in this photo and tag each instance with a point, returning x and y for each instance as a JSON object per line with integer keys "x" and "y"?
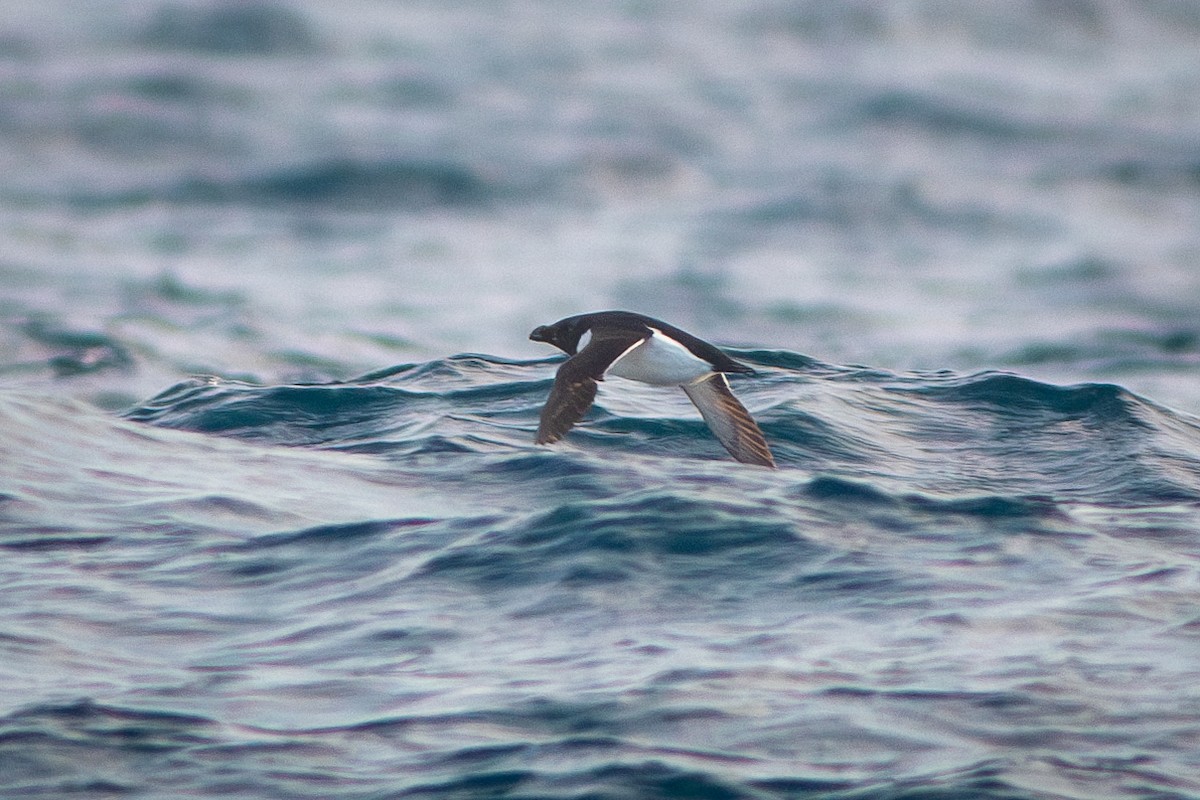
{"x": 381, "y": 587}
{"x": 271, "y": 519}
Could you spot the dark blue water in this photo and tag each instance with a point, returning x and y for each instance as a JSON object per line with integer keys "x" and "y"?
{"x": 979, "y": 585}
{"x": 272, "y": 523}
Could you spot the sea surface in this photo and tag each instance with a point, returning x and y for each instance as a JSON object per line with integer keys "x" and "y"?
{"x": 272, "y": 523}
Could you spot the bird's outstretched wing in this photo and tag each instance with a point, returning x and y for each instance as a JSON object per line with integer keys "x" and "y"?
{"x": 729, "y": 420}
{"x": 575, "y": 384}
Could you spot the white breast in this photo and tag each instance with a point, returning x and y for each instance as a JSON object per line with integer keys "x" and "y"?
{"x": 660, "y": 360}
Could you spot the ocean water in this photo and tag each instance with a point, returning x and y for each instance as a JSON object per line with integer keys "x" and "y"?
{"x": 272, "y": 524}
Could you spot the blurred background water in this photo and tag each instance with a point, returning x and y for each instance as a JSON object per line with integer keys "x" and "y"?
{"x": 334, "y": 565}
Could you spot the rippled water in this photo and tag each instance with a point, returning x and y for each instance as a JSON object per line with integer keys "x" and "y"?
{"x": 981, "y": 585}
{"x": 271, "y": 519}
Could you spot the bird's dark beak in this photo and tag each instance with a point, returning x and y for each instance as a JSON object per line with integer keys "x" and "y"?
{"x": 539, "y": 334}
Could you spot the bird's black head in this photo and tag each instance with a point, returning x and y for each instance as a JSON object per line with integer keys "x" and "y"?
{"x": 564, "y": 334}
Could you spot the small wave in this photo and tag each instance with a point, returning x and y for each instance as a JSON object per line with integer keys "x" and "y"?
{"x": 287, "y": 415}
{"x": 245, "y": 28}
{"x": 336, "y": 535}
{"x": 615, "y": 539}
{"x": 338, "y": 184}
{"x": 943, "y": 114}
{"x": 1094, "y": 441}
{"x": 971, "y": 438}
{"x": 1155, "y": 172}
{"x": 348, "y": 184}
{"x": 68, "y": 352}
{"x": 1006, "y": 393}
{"x": 39, "y": 747}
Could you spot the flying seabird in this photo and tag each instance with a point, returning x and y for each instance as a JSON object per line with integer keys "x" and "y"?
{"x": 644, "y": 349}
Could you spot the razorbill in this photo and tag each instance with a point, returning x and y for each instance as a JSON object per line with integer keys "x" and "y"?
{"x": 644, "y": 349}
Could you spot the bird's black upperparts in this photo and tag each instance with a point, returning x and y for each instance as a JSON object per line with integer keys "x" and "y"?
{"x": 566, "y": 333}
